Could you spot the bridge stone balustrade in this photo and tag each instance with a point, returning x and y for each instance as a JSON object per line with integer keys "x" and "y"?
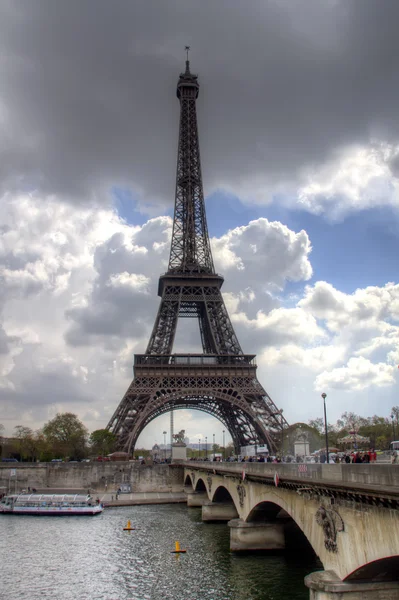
{"x": 349, "y": 514}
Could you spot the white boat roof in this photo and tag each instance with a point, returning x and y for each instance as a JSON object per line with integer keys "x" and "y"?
{"x": 52, "y": 497}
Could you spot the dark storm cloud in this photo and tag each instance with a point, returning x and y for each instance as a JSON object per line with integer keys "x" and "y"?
{"x": 87, "y": 99}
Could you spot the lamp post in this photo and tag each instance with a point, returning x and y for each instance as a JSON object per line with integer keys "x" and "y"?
{"x": 199, "y": 448}
{"x": 206, "y": 447}
{"x": 224, "y": 450}
{"x": 393, "y": 426}
{"x": 164, "y": 442}
{"x": 213, "y": 446}
{"x": 324, "y": 396}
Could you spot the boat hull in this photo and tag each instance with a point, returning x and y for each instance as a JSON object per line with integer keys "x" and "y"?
{"x": 62, "y": 512}
{"x": 51, "y": 505}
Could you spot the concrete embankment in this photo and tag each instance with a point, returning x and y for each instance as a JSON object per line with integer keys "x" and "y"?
{"x": 108, "y": 500}
{"x": 101, "y": 478}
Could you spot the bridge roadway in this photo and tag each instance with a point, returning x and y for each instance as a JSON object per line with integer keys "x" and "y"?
{"x": 348, "y": 513}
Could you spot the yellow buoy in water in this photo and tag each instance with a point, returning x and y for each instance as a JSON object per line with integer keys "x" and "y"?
{"x": 177, "y": 549}
{"x": 128, "y": 527}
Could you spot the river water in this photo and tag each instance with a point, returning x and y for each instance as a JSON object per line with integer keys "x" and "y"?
{"x": 82, "y": 558}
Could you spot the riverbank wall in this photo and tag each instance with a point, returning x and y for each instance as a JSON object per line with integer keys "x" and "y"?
{"x": 97, "y": 477}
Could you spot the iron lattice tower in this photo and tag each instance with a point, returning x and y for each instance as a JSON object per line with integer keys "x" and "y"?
{"x": 222, "y": 381}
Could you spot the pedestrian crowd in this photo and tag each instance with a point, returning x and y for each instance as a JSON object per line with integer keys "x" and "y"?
{"x": 368, "y": 456}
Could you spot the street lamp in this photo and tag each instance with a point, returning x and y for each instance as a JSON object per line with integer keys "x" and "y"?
{"x": 213, "y": 446}
{"x": 393, "y": 426}
{"x": 324, "y": 396}
{"x": 164, "y": 442}
{"x": 206, "y": 447}
{"x": 224, "y": 449}
{"x": 199, "y": 448}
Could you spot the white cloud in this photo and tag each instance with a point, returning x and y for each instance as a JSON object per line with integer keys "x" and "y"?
{"x": 358, "y": 374}
{"x": 368, "y": 306}
{"x": 282, "y": 325}
{"x": 263, "y": 255}
{"x": 67, "y": 339}
{"x": 314, "y": 359}
{"x": 358, "y": 178}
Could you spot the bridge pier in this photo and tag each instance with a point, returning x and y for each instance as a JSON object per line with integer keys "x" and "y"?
{"x": 326, "y": 585}
{"x": 256, "y": 535}
{"x": 196, "y": 498}
{"x": 218, "y": 511}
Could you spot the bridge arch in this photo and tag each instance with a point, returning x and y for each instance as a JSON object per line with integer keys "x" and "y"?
{"x": 383, "y": 569}
{"x": 222, "y": 495}
{"x": 264, "y": 511}
{"x": 200, "y": 485}
{"x": 272, "y": 511}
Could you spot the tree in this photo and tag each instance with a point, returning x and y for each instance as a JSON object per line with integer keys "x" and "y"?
{"x": 141, "y": 452}
{"x": 24, "y": 436}
{"x": 317, "y": 424}
{"x": 229, "y": 450}
{"x": 395, "y": 413}
{"x": 351, "y": 421}
{"x": 216, "y": 449}
{"x": 1, "y": 438}
{"x": 102, "y": 441}
{"x": 67, "y": 435}
{"x": 378, "y": 429}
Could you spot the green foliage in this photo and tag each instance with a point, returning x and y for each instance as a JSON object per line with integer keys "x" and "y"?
{"x": 317, "y": 424}
{"x": 229, "y": 449}
{"x": 24, "y": 443}
{"x": 67, "y": 436}
{"x": 29, "y": 445}
{"x": 141, "y": 452}
{"x": 395, "y": 413}
{"x": 102, "y": 442}
{"x": 377, "y": 429}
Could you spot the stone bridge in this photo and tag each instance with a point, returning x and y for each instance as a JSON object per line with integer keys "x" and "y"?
{"x": 349, "y": 514}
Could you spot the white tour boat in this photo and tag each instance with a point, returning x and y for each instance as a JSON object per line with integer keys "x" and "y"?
{"x": 50, "y": 505}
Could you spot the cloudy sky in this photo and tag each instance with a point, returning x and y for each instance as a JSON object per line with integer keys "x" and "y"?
{"x": 299, "y": 134}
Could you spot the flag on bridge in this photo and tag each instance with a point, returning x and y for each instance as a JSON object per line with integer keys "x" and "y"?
{"x": 243, "y": 475}
{"x": 276, "y": 479}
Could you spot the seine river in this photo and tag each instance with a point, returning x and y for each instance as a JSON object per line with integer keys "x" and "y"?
{"x": 79, "y": 558}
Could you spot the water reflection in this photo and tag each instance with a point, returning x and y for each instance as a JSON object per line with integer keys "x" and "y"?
{"x": 93, "y": 558}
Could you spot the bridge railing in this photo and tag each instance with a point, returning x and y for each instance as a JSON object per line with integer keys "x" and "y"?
{"x": 378, "y": 477}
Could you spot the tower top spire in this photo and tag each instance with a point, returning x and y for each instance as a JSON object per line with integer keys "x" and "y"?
{"x": 187, "y": 49}
{"x": 187, "y": 80}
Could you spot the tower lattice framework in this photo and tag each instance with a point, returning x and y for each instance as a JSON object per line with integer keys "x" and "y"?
{"x": 222, "y": 380}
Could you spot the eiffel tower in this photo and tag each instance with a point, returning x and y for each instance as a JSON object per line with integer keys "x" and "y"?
{"x": 222, "y": 380}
